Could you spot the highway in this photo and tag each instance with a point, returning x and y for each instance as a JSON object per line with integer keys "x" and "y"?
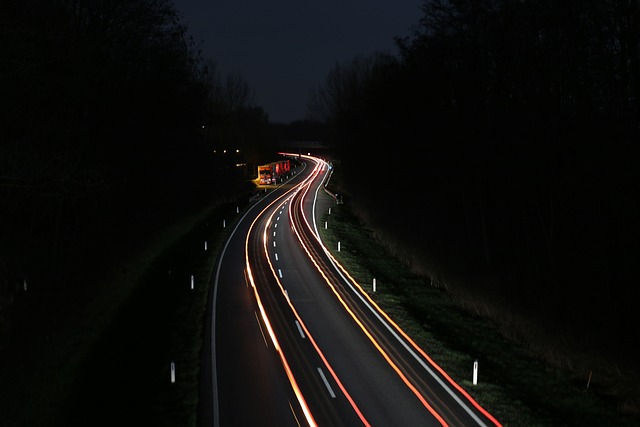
{"x": 295, "y": 341}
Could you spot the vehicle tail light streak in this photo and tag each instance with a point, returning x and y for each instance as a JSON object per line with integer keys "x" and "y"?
{"x": 265, "y": 318}
{"x": 364, "y": 329}
{"x": 308, "y": 334}
{"x": 283, "y": 359}
{"x": 379, "y": 311}
{"x": 415, "y": 346}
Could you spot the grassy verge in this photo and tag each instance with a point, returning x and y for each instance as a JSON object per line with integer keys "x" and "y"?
{"x": 177, "y": 403}
{"x": 127, "y": 375}
{"x": 99, "y": 352}
{"x": 516, "y": 387}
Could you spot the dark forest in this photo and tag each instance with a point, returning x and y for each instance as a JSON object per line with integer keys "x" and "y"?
{"x": 112, "y": 128}
{"x": 497, "y": 153}
{"x": 109, "y": 123}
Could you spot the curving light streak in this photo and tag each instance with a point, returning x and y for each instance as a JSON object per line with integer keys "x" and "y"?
{"x": 364, "y": 329}
{"x": 294, "y": 384}
{"x": 379, "y": 312}
{"x": 417, "y": 348}
{"x": 312, "y": 340}
{"x": 265, "y": 318}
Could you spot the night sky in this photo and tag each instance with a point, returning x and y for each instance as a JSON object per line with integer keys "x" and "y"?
{"x": 284, "y": 48}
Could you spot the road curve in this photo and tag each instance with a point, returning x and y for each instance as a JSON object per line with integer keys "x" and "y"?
{"x": 296, "y": 341}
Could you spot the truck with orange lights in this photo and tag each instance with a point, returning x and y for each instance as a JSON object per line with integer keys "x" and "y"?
{"x": 272, "y": 172}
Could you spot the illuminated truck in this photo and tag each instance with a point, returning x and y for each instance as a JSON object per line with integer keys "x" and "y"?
{"x": 270, "y": 173}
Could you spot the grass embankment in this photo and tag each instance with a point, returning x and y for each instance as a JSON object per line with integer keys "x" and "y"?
{"x": 101, "y": 355}
{"x": 128, "y": 375}
{"x": 517, "y": 388}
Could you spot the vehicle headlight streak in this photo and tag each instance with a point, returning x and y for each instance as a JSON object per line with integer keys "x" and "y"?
{"x": 310, "y": 337}
{"x": 265, "y": 318}
{"x": 380, "y": 312}
{"x": 304, "y": 186}
{"x": 294, "y": 384}
{"x": 363, "y": 328}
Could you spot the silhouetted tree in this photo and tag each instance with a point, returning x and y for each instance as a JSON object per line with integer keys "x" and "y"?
{"x": 524, "y": 114}
{"x": 102, "y": 106}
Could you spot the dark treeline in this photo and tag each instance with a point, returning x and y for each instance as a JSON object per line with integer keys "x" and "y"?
{"x": 108, "y": 125}
{"x": 500, "y": 145}
{"x": 301, "y": 130}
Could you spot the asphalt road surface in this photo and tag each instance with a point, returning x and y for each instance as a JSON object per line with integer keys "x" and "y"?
{"x": 295, "y": 341}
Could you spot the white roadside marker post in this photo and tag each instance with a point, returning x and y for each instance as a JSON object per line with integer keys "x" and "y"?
{"x": 475, "y": 372}
{"x": 173, "y": 372}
